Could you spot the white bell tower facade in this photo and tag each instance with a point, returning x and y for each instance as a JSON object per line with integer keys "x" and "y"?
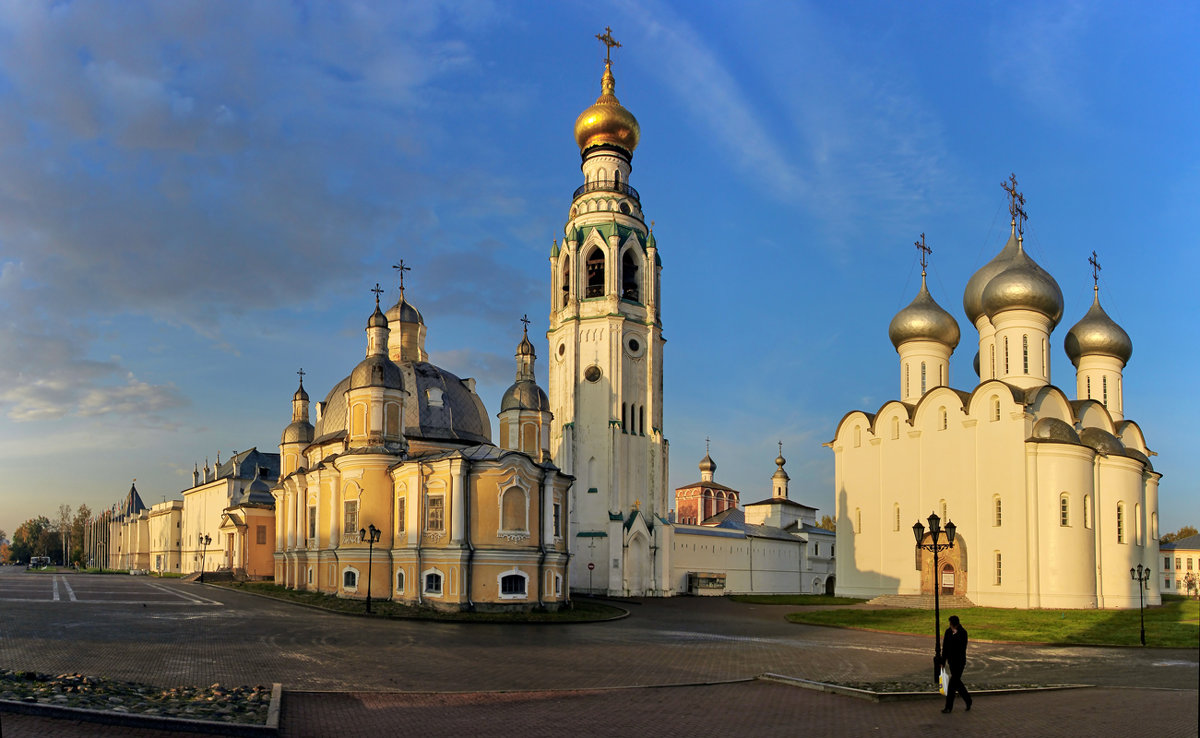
{"x": 605, "y": 381}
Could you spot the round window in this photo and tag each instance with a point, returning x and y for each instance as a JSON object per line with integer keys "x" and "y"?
{"x": 634, "y": 346}
{"x": 562, "y": 350}
{"x": 592, "y": 373}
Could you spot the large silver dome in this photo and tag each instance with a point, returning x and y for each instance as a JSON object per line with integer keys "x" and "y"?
{"x": 1096, "y": 333}
{"x": 439, "y": 407}
{"x": 297, "y": 432}
{"x": 1023, "y": 285}
{"x": 973, "y": 294}
{"x": 923, "y": 319}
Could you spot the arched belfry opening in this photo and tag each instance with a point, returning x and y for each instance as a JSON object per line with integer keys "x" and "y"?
{"x": 566, "y": 280}
{"x": 629, "y": 277}
{"x": 595, "y": 272}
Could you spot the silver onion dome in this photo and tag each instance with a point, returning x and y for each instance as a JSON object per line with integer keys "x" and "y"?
{"x": 923, "y": 319}
{"x": 973, "y": 294}
{"x": 707, "y": 464}
{"x": 1096, "y": 333}
{"x": 1024, "y": 285}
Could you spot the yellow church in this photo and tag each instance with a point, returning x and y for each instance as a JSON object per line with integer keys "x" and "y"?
{"x": 401, "y": 449}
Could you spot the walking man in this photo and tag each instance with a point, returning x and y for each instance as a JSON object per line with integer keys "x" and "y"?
{"x": 954, "y": 651}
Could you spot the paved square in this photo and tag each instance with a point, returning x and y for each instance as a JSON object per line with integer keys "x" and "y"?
{"x": 18, "y": 586}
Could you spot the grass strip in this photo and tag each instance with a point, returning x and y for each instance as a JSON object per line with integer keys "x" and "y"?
{"x": 1174, "y": 624}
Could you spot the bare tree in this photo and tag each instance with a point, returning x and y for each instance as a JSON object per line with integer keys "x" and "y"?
{"x": 64, "y": 529}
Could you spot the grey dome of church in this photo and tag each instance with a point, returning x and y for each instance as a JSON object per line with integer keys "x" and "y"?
{"x": 1023, "y": 285}
{"x": 923, "y": 319}
{"x": 439, "y": 406}
{"x": 1096, "y": 333}
{"x": 973, "y": 294}
{"x": 525, "y": 395}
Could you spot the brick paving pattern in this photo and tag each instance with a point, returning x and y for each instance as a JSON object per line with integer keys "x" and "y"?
{"x": 169, "y": 633}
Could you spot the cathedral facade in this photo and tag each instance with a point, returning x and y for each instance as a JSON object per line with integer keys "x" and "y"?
{"x": 606, "y": 365}
{"x": 1052, "y": 491}
{"x": 397, "y": 489}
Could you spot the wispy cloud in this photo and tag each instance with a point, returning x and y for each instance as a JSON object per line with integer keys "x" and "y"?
{"x": 1037, "y": 55}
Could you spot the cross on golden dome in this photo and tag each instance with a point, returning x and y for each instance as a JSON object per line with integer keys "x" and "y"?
{"x": 925, "y": 252}
{"x": 1095, "y": 271}
{"x": 609, "y": 42}
{"x": 1016, "y": 203}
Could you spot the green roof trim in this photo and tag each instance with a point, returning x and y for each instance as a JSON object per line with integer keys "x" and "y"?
{"x": 592, "y": 490}
{"x": 615, "y": 516}
{"x": 591, "y": 534}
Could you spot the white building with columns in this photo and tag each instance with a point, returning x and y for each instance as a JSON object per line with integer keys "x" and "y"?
{"x": 1054, "y": 496}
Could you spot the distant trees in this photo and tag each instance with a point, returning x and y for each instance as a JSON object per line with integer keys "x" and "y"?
{"x": 79, "y": 535}
{"x": 827, "y": 523}
{"x": 1184, "y": 532}
{"x": 34, "y": 537}
{"x": 64, "y": 530}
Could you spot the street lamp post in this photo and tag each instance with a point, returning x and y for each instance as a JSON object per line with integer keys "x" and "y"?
{"x": 371, "y": 537}
{"x": 205, "y": 539}
{"x": 935, "y": 533}
{"x": 1141, "y": 575}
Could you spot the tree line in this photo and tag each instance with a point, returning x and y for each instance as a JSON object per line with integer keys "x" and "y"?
{"x": 61, "y": 539}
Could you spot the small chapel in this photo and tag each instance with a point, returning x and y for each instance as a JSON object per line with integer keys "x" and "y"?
{"x": 1052, "y": 490}
{"x": 392, "y": 485}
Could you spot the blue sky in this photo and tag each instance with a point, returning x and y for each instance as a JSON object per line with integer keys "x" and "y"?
{"x": 195, "y": 198}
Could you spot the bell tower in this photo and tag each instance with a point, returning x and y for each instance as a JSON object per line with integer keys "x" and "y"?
{"x": 606, "y": 345}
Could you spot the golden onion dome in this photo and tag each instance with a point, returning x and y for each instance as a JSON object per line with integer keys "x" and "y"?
{"x": 1097, "y": 333}
{"x": 973, "y": 294}
{"x": 607, "y": 121}
{"x": 923, "y": 320}
{"x": 707, "y": 464}
{"x": 1023, "y": 285}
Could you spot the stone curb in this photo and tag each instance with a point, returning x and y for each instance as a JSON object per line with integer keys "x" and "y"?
{"x": 871, "y": 696}
{"x": 624, "y": 613}
{"x": 156, "y": 722}
{"x": 609, "y": 688}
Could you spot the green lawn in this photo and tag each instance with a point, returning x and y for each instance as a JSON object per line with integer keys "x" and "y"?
{"x": 1174, "y": 624}
{"x": 799, "y": 600}
{"x": 583, "y": 610}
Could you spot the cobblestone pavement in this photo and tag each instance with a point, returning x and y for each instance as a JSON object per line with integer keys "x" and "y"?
{"x": 758, "y": 709}
{"x": 142, "y": 634}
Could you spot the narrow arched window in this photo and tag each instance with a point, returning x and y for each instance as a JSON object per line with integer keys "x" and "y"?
{"x": 400, "y": 582}
{"x": 857, "y": 436}
{"x": 1064, "y": 510}
{"x": 1120, "y": 522}
{"x": 1089, "y": 388}
{"x": 992, "y": 361}
{"x": 641, "y": 420}
{"x": 895, "y": 428}
{"x": 1104, "y": 390}
{"x": 624, "y": 421}
{"x": 943, "y": 420}
{"x": 906, "y": 385}
{"x": 617, "y": 179}
{"x": 1025, "y": 354}
{"x": 998, "y": 511}
{"x": 1087, "y": 511}
{"x": 999, "y": 575}
{"x": 629, "y": 277}
{"x": 922, "y": 378}
{"x": 995, "y": 408}
{"x": 566, "y": 280}
{"x": 513, "y": 509}
{"x": 896, "y": 516}
{"x": 595, "y": 273}
{"x": 1006, "y": 355}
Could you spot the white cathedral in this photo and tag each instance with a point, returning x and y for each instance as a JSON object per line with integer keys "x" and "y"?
{"x": 1054, "y": 497}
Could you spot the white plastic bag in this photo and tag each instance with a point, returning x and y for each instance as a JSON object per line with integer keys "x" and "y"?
{"x": 943, "y": 682}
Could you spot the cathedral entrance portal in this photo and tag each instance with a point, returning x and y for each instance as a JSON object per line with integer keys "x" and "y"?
{"x": 829, "y": 586}
{"x": 950, "y": 576}
{"x": 636, "y": 566}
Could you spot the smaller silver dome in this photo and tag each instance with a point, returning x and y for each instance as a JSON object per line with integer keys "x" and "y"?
{"x": 1096, "y": 333}
{"x": 300, "y": 394}
{"x": 1024, "y": 285}
{"x": 525, "y": 395}
{"x": 377, "y": 319}
{"x": 525, "y": 347}
{"x": 975, "y": 364}
{"x": 707, "y": 464}
{"x": 923, "y": 319}
{"x": 404, "y": 312}
{"x": 1103, "y": 441}
{"x": 297, "y": 432}
{"x": 376, "y": 371}
{"x": 1053, "y": 429}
